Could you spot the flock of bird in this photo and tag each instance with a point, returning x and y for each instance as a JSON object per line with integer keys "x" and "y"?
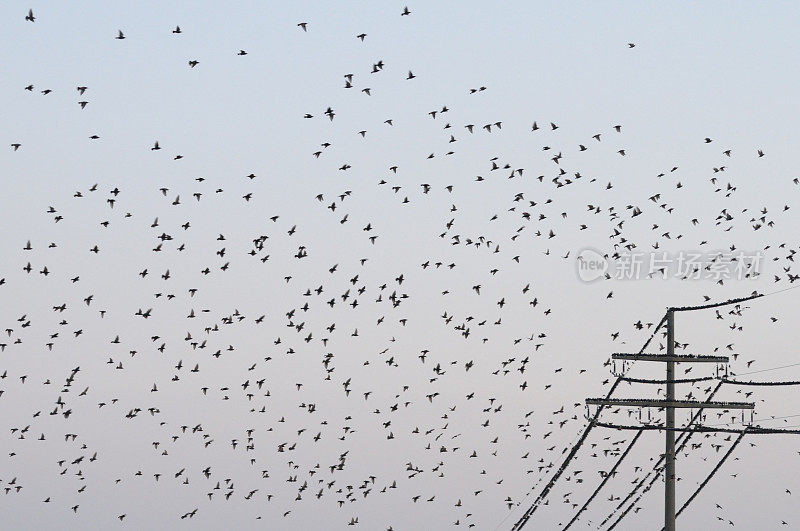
{"x": 253, "y": 369}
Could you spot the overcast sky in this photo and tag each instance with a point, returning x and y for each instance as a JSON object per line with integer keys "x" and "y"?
{"x": 391, "y": 287}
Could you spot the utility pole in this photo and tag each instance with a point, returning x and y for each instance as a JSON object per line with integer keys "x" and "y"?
{"x": 670, "y": 404}
{"x": 669, "y": 472}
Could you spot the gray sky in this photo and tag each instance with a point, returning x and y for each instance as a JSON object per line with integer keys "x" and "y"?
{"x": 491, "y": 207}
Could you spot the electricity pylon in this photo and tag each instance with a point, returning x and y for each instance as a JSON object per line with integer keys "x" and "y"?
{"x": 670, "y": 404}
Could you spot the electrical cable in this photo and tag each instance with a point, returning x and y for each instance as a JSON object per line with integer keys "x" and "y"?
{"x": 547, "y": 488}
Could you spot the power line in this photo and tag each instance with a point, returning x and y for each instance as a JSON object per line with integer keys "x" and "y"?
{"x": 675, "y": 429}
{"x": 688, "y": 432}
{"x": 670, "y": 453}
{"x": 657, "y": 469}
{"x": 754, "y": 295}
{"x": 759, "y": 420}
{"x": 670, "y": 404}
{"x": 768, "y": 369}
{"x": 711, "y": 474}
{"x": 608, "y": 476}
{"x": 780, "y": 291}
{"x": 542, "y": 495}
{"x": 656, "y": 381}
{"x": 670, "y": 428}
{"x": 738, "y": 382}
{"x": 527, "y": 494}
{"x": 633, "y": 504}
